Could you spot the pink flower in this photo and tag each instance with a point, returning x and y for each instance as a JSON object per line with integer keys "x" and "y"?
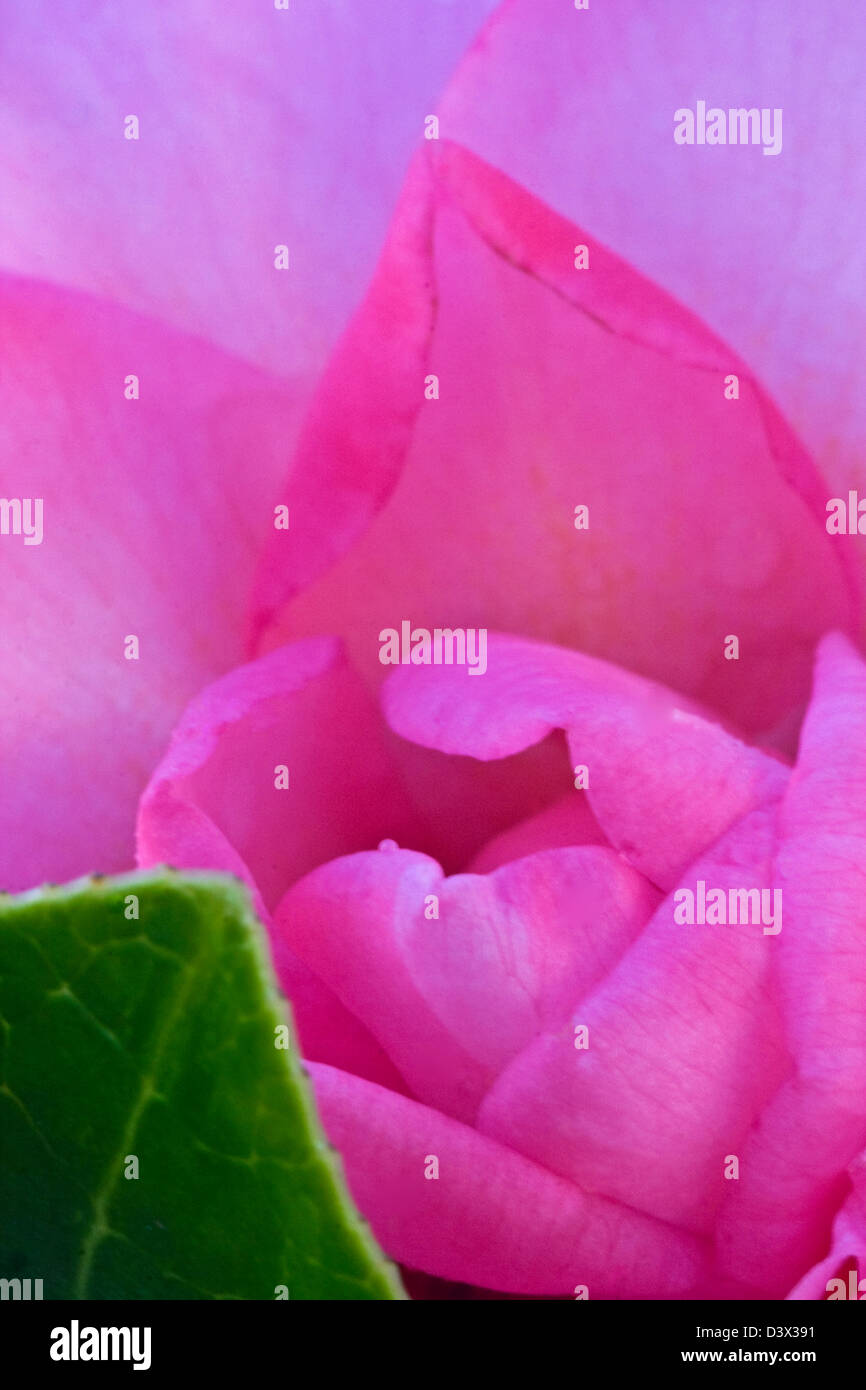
{"x": 542, "y": 1076}
{"x": 696, "y": 1140}
{"x": 440, "y": 1015}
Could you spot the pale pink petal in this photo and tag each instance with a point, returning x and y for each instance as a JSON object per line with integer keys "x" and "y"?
{"x": 491, "y": 1218}
{"x": 153, "y": 511}
{"x": 454, "y": 976}
{"x": 557, "y": 388}
{"x": 664, "y": 782}
{"x": 767, "y": 249}
{"x": 258, "y": 128}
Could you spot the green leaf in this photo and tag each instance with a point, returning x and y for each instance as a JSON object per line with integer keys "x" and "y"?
{"x": 156, "y": 1038}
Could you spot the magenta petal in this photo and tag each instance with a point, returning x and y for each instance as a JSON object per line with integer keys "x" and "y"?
{"x": 847, "y": 1249}
{"x": 794, "y": 1168}
{"x": 664, "y": 782}
{"x": 491, "y": 1218}
{"x": 153, "y": 511}
{"x": 453, "y": 997}
{"x": 557, "y": 388}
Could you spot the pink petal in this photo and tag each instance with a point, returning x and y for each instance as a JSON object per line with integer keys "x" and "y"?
{"x": 452, "y": 999}
{"x": 327, "y": 1032}
{"x": 257, "y": 128}
{"x": 682, "y": 1051}
{"x": 568, "y": 821}
{"x": 557, "y": 388}
{"x": 796, "y": 1161}
{"x": 492, "y": 1218}
{"x": 768, "y": 250}
{"x": 848, "y": 1247}
{"x": 212, "y": 803}
{"x": 152, "y": 512}
{"x": 664, "y": 782}
{"x": 300, "y": 708}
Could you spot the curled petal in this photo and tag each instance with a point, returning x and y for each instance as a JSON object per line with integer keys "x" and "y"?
{"x": 847, "y": 1250}
{"x": 682, "y": 1050}
{"x": 557, "y": 388}
{"x": 214, "y": 802}
{"x": 454, "y": 976}
{"x": 663, "y": 781}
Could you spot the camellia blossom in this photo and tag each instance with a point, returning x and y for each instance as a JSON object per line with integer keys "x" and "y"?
{"x": 576, "y": 949}
{"x": 579, "y": 1068}
{"x": 542, "y": 1080}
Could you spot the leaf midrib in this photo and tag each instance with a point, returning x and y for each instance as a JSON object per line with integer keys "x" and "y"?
{"x": 99, "y": 1227}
